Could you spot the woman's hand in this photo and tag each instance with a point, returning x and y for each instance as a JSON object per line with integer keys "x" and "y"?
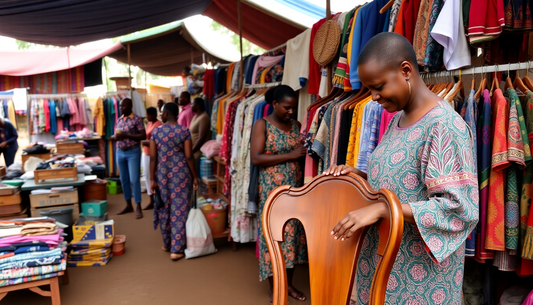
{"x": 121, "y": 136}
{"x": 195, "y": 184}
{"x": 3, "y": 145}
{"x": 298, "y": 152}
{"x": 153, "y": 186}
{"x": 337, "y": 170}
{"x": 358, "y": 219}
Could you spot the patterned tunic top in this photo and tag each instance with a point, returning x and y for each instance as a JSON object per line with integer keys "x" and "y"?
{"x": 131, "y": 124}
{"x": 430, "y": 166}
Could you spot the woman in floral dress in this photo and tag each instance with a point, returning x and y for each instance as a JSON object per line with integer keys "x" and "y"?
{"x": 426, "y": 158}
{"x": 173, "y": 172}
{"x": 276, "y": 148}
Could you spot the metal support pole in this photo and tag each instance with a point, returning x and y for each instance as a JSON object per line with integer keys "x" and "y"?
{"x": 241, "y": 80}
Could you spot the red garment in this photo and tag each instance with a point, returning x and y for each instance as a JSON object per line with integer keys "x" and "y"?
{"x": 209, "y": 84}
{"x": 486, "y": 19}
{"x": 407, "y": 23}
{"x": 265, "y": 111}
{"x": 314, "y": 67}
{"x": 46, "y": 109}
{"x": 227, "y": 138}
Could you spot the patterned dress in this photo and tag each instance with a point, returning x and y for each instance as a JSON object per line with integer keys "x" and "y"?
{"x": 430, "y": 166}
{"x": 175, "y": 185}
{"x": 288, "y": 173}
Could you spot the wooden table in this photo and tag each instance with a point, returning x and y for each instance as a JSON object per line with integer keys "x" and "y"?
{"x": 34, "y": 286}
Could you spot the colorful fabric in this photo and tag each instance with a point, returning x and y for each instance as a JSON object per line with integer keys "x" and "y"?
{"x": 27, "y": 279}
{"x": 36, "y": 262}
{"x": 65, "y": 81}
{"x": 422, "y": 30}
{"x": 484, "y": 154}
{"x": 175, "y": 185}
{"x": 225, "y": 149}
{"x": 430, "y": 166}
{"x": 351, "y": 156}
{"x": 32, "y": 271}
{"x": 393, "y": 17}
{"x": 132, "y": 124}
{"x": 370, "y": 134}
{"x": 516, "y": 155}
{"x": 434, "y": 50}
{"x": 340, "y": 71}
{"x": 526, "y": 217}
{"x": 289, "y": 173}
{"x": 517, "y": 14}
{"x": 485, "y": 21}
{"x": 149, "y": 129}
{"x": 495, "y": 238}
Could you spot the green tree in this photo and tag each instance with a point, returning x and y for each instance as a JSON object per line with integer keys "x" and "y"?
{"x": 23, "y": 45}
{"x": 247, "y": 46}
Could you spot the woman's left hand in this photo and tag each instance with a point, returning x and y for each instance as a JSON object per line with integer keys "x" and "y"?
{"x": 3, "y": 145}
{"x": 195, "y": 184}
{"x": 358, "y": 219}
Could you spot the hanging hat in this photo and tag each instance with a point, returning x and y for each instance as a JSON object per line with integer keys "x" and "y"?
{"x": 326, "y": 42}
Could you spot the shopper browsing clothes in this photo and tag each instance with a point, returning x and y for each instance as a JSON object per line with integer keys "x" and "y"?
{"x": 153, "y": 122}
{"x": 186, "y": 114}
{"x": 160, "y": 104}
{"x": 8, "y": 141}
{"x": 426, "y": 158}
{"x": 173, "y": 175}
{"x": 129, "y": 134}
{"x": 277, "y": 148}
{"x": 200, "y": 128}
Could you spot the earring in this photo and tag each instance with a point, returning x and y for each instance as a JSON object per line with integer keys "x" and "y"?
{"x": 407, "y": 80}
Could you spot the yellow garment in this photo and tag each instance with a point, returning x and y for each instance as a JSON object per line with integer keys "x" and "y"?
{"x": 11, "y": 113}
{"x": 229, "y": 77}
{"x": 349, "y": 52}
{"x": 263, "y": 76}
{"x": 359, "y": 124}
{"x": 100, "y": 117}
{"x": 220, "y": 115}
{"x": 350, "y": 156}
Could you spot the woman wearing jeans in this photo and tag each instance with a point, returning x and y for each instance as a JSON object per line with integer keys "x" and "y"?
{"x": 129, "y": 134}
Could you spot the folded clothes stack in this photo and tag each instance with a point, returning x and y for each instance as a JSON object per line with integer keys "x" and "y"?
{"x": 37, "y": 252}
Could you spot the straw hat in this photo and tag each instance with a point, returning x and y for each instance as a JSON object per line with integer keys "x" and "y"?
{"x": 326, "y": 42}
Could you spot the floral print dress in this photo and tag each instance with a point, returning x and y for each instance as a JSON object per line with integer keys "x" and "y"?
{"x": 430, "y": 166}
{"x": 174, "y": 180}
{"x": 289, "y": 173}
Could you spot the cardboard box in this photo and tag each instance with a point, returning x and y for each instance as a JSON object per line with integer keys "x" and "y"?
{"x": 10, "y": 199}
{"x": 94, "y": 207}
{"x": 96, "y": 233}
{"x": 54, "y": 199}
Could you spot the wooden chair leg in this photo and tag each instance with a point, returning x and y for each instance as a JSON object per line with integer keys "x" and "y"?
{"x": 3, "y": 295}
{"x": 54, "y": 289}
{"x": 65, "y": 280}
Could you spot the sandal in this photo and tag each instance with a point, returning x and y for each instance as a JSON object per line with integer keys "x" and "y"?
{"x": 297, "y": 295}
{"x": 176, "y": 256}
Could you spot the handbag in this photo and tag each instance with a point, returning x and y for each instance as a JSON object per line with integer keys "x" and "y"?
{"x": 158, "y": 201}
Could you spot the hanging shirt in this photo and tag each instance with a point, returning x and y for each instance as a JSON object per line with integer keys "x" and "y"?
{"x": 138, "y": 104}
{"x": 185, "y": 116}
{"x": 53, "y": 120}
{"x": 369, "y": 134}
{"x": 485, "y": 21}
{"x": 296, "y": 69}
{"x": 46, "y": 110}
{"x": 100, "y": 117}
{"x": 449, "y": 32}
{"x": 11, "y": 113}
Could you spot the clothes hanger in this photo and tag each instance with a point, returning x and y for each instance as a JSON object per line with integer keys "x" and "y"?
{"x": 518, "y": 82}
{"x": 458, "y": 88}
{"x": 508, "y": 81}
{"x": 441, "y": 85}
{"x": 495, "y": 85}
{"x": 482, "y": 85}
{"x": 333, "y": 94}
{"x": 450, "y": 84}
{"x": 384, "y": 9}
{"x": 360, "y": 96}
{"x": 527, "y": 81}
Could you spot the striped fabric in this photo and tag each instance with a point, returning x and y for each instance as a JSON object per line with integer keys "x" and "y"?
{"x": 65, "y": 81}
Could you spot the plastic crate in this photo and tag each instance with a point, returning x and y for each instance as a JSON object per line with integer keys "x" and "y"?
{"x": 114, "y": 187}
{"x": 94, "y": 207}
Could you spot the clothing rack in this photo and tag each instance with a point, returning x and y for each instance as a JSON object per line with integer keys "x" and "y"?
{"x": 479, "y": 70}
{"x": 275, "y": 49}
{"x": 260, "y": 86}
{"x": 30, "y": 96}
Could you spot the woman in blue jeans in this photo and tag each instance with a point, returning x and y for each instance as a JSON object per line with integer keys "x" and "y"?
{"x": 129, "y": 134}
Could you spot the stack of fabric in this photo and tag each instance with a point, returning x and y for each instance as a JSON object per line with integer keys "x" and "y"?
{"x": 91, "y": 246}
{"x": 31, "y": 249}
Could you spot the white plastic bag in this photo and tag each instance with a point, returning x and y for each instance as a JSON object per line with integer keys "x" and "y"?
{"x": 199, "y": 238}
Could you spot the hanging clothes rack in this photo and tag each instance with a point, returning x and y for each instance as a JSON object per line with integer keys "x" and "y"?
{"x": 63, "y": 95}
{"x": 260, "y": 86}
{"x": 482, "y": 69}
{"x": 272, "y": 51}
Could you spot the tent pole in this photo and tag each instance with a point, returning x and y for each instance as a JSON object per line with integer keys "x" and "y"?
{"x": 241, "y": 80}
{"x": 329, "y": 66}
{"x": 129, "y": 71}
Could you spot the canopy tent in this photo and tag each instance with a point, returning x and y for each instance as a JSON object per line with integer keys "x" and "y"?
{"x": 22, "y": 63}
{"x": 164, "y": 51}
{"x": 72, "y": 22}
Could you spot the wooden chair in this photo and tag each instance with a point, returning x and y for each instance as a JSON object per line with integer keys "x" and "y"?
{"x": 319, "y": 206}
{"x": 34, "y": 286}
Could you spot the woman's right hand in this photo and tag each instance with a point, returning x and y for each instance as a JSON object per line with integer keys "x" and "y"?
{"x": 153, "y": 186}
{"x": 299, "y": 152}
{"x": 337, "y": 170}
